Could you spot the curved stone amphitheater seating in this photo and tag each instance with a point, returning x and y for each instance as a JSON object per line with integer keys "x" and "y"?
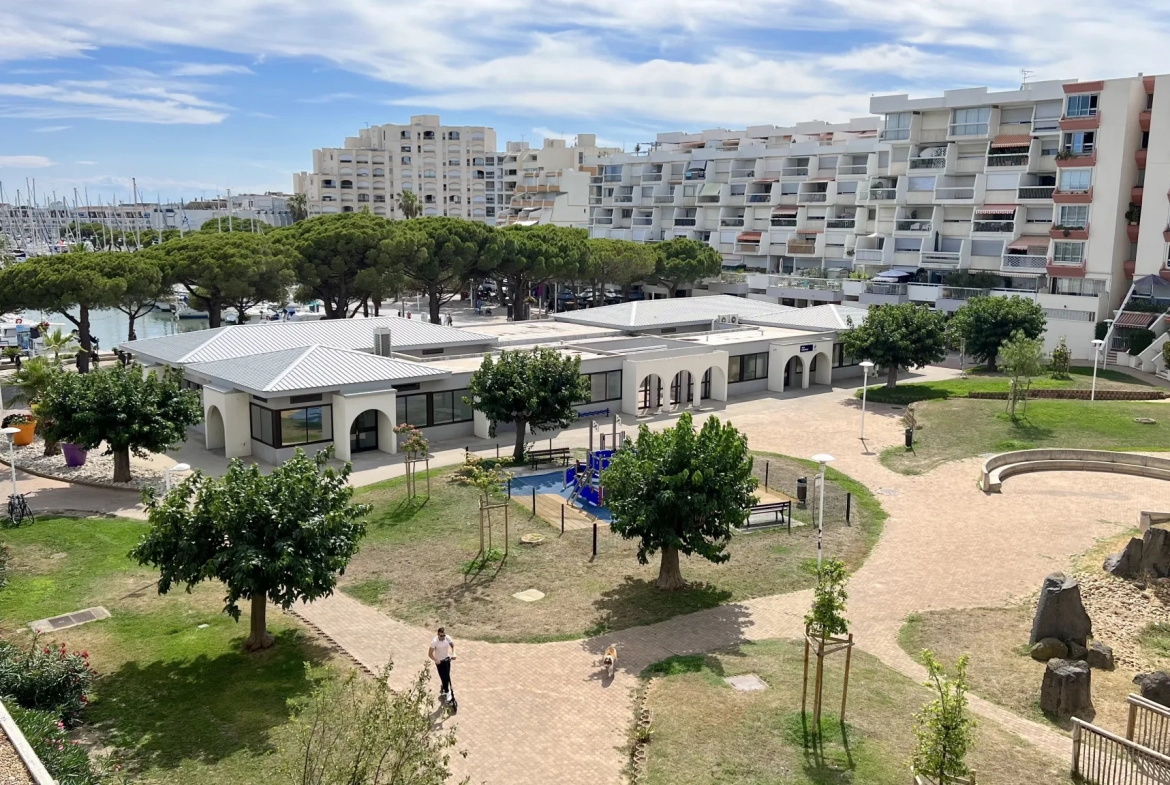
{"x": 998, "y": 468}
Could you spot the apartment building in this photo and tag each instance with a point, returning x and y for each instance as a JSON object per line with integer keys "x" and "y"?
{"x": 446, "y": 166}
{"x": 772, "y": 200}
{"x": 549, "y": 185}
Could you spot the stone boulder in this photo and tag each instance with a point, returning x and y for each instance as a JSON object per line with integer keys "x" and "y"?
{"x": 1155, "y": 553}
{"x": 1154, "y": 686}
{"x": 1100, "y": 656}
{"x": 1067, "y": 688}
{"x": 1060, "y": 612}
{"x": 1048, "y": 649}
{"x": 1126, "y": 564}
{"x": 1076, "y": 651}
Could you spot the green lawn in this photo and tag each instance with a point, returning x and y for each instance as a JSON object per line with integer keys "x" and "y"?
{"x": 414, "y": 565}
{"x": 981, "y": 381}
{"x": 176, "y": 695}
{"x": 705, "y": 732}
{"x": 961, "y": 428}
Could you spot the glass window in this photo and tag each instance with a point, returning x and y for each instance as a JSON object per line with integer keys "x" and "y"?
{"x": 897, "y": 126}
{"x": 462, "y": 410}
{"x": 613, "y": 385}
{"x": 1084, "y": 105}
{"x": 412, "y": 409}
{"x": 596, "y": 387}
{"x": 921, "y": 183}
{"x": 1067, "y": 252}
{"x": 747, "y": 367}
{"x": 970, "y": 122}
{"x": 305, "y": 426}
{"x": 733, "y": 368}
{"x": 262, "y": 425}
{"x": 1076, "y": 179}
{"x": 1074, "y": 215}
{"x": 443, "y": 405}
{"x": 1079, "y": 142}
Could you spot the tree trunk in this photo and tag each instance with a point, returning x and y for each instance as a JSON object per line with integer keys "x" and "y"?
{"x": 366, "y": 307}
{"x": 83, "y": 338}
{"x": 214, "y": 313}
{"x": 122, "y": 464}
{"x": 377, "y": 305}
{"x": 131, "y": 335}
{"x": 990, "y": 365}
{"x": 891, "y": 377}
{"x": 241, "y": 315}
{"x": 258, "y": 637}
{"x": 433, "y": 305}
{"x": 669, "y": 573}
{"x": 518, "y": 453}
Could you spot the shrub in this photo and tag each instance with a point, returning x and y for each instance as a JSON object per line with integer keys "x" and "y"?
{"x": 18, "y": 419}
{"x": 1061, "y": 356}
{"x": 67, "y": 761}
{"x": 1139, "y": 340}
{"x": 44, "y": 678}
{"x": 5, "y": 558}
{"x": 1100, "y": 331}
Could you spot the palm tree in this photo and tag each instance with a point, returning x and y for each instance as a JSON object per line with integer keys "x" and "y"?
{"x": 298, "y": 205}
{"x": 56, "y": 342}
{"x": 408, "y": 203}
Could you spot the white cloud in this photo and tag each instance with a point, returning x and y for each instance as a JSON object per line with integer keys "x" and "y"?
{"x": 209, "y": 69}
{"x": 25, "y": 162}
{"x": 52, "y": 129}
{"x": 85, "y": 163}
{"x": 126, "y": 94}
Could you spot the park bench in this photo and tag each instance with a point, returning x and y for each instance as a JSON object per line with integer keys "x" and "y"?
{"x": 562, "y": 454}
{"x": 781, "y": 512}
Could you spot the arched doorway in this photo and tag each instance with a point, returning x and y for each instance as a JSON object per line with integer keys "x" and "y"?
{"x": 213, "y": 430}
{"x": 794, "y": 372}
{"x": 650, "y": 394}
{"x": 363, "y": 433}
{"x": 682, "y": 389}
{"x": 820, "y": 371}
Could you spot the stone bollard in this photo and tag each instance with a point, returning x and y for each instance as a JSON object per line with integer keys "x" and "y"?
{"x": 1066, "y": 689}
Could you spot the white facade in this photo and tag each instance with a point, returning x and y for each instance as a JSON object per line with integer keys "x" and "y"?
{"x": 549, "y": 185}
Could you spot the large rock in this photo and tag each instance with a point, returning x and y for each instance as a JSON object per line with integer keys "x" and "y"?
{"x": 1155, "y": 553}
{"x": 1048, "y": 649}
{"x": 1077, "y": 652}
{"x": 1060, "y": 613}
{"x": 1126, "y": 564}
{"x": 1067, "y": 688}
{"x": 1100, "y": 656}
{"x": 1154, "y": 686}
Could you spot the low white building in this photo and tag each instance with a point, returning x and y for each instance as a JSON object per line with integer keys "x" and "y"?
{"x": 269, "y": 388}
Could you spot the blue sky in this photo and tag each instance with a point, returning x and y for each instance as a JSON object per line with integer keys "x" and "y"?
{"x": 195, "y": 98}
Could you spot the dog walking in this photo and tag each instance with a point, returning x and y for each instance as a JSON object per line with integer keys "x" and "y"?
{"x": 442, "y": 652}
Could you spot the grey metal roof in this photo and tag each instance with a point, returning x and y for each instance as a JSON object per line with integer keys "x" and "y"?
{"x": 223, "y": 343}
{"x": 310, "y": 368}
{"x": 817, "y": 317}
{"x": 669, "y": 312}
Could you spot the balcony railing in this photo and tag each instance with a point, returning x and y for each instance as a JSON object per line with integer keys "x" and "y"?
{"x": 747, "y": 247}
{"x": 882, "y": 194}
{"x": 643, "y": 221}
{"x": 941, "y": 258}
{"x": 606, "y": 221}
{"x": 732, "y": 278}
{"x": 1035, "y": 191}
{"x": 613, "y": 178}
{"x": 993, "y": 226}
{"x": 888, "y": 289}
{"x": 840, "y": 223}
{"x": 1045, "y": 125}
{"x": 595, "y": 200}
{"x": 1012, "y": 159}
{"x": 742, "y": 173}
{"x": 624, "y": 199}
{"x": 1068, "y": 262}
{"x": 803, "y": 248}
{"x": 963, "y": 192}
{"x": 968, "y": 129}
{"x": 695, "y": 174}
{"x": 684, "y": 221}
{"x": 664, "y": 199}
{"x": 652, "y": 177}
{"x": 913, "y": 226}
{"x": 894, "y": 134}
{"x": 812, "y": 196}
{"x": 960, "y": 293}
{"x": 794, "y": 171}
{"x": 1023, "y": 262}
{"x": 796, "y": 282}
{"x": 759, "y": 198}
{"x": 868, "y": 254}
{"x": 928, "y": 163}
{"x": 731, "y": 221}
{"x": 783, "y": 222}
{"x": 854, "y": 169}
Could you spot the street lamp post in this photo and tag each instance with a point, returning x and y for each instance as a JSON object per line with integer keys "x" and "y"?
{"x": 865, "y": 366}
{"x": 1097, "y": 344}
{"x": 1108, "y": 333}
{"x": 823, "y": 459}
{"x": 10, "y": 432}
{"x": 178, "y": 467}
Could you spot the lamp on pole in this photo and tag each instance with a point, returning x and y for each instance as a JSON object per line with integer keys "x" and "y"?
{"x": 823, "y": 459}
{"x": 1097, "y": 344}
{"x": 10, "y": 432}
{"x": 865, "y": 366}
{"x": 178, "y": 467}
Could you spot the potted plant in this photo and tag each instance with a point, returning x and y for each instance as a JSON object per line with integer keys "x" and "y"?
{"x": 75, "y": 454}
{"x": 26, "y": 424}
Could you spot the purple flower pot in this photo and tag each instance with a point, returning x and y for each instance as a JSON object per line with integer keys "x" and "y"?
{"x": 75, "y": 455}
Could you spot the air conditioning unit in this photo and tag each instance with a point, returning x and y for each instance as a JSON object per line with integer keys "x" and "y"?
{"x": 730, "y": 318}
{"x": 382, "y": 345}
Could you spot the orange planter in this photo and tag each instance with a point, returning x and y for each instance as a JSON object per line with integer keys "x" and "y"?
{"x": 25, "y": 437}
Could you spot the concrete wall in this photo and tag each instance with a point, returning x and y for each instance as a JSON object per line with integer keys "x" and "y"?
{"x": 347, "y": 408}
{"x": 227, "y": 422}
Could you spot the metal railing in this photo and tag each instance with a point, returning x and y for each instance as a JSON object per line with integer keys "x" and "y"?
{"x": 743, "y": 173}
{"x": 1104, "y": 758}
{"x": 942, "y": 258}
{"x": 624, "y": 199}
{"x": 1005, "y": 159}
{"x": 652, "y": 177}
{"x": 783, "y": 221}
{"x": 912, "y": 226}
{"x": 759, "y": 198}
{"x": 1035, "y": 191}
{"x": 954, "y": 192}
{"x": 840, "y": 223}
{"x": 1023, "y": 262}
{"x": 684, "y": 221}
{"x": 1068, "y": 262}
{"x": 993, "y": 226}
{"x": 928, "y": 163}
{"x": 731, "y": 222}
{"x": 812, "y": 196}
{"x": 796, "y": 282}
{"x": 894, "y": 134}
{"x": 888, "y": 289}
{"x": 868, "y": 254}
{"x": 794, "y": 171}
{"x": 880, "y": 194}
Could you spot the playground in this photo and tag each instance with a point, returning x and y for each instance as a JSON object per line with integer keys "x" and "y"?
{"x": 573, "y": 496}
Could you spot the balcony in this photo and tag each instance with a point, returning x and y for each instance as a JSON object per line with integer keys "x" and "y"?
{"x": 652, "y": 177}
{"x": 759, "y": 198}
{"x": 731, "y": 221}
{"x": 882, "y": 194}
{"x": 968, "y": 129}
{"x": 750, "y": 248}
{"x": 1043, "y": 192}
{"x": 812, "y": 197}
{"x": 664, "y": 199}
{"x": 955, "y": 193}
{"x": 802, "y": 248}
{"x": 883, "y": 294}
{"x": 784, "y": 222}
{"x": 1023, "y": 263}
{"x": 1141, "y": 155}
{"x": 794, "y": 171}
{"x": 993, "y": 227}
{"x": 894, "y": 134}
{"x": 913, "y": 226}
{"x": 1085, "y": 122}
{"x": 1144, "y": 120}
{"x": 1067, "y": 158}
{"x": 684, "y": 221}
{"x": 840, "y": 223}
{"x": 856, "y": 169}
{"x": 742, "y": 174}
{"x": 1136, "y": 193}
{"x": 950, "y": 260}
{"x": 1059, "y": 232}
{"x": 1073, "y": 197}
{"x": 928, "y": 163}
{"x": 821, "y": 290}
{"x": 1007, "y": 159}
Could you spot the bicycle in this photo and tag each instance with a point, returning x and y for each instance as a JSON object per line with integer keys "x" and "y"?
{"x": 19, "y": 511}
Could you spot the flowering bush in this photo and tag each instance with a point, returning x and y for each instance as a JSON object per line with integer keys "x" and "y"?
{"x": 18, "y": 419}
{"x": 46, "y": 679}
{"x": 411, "y": 439}
{"x": 66, "y": 760}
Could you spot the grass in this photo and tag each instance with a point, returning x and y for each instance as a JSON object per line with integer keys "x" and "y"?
{"x": 962, "y": 428}
{"x": 705, "y": 732}
{"x": 177, "y": 696}
{"x": 416, "y": 564}
{"x": 1156, "y": 638}
{"x": 979, "y": 380}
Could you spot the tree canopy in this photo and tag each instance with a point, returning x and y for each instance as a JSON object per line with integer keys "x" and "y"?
{"x": 281, "y": 537}
{"x": 437, "y": 256}
{"x": 233, "y": 223}
{"x": 535, "y": 389}
{"x": 130, "y": 411}
{"x": 298, "y": 207}
{"x": 618, "y": 262}
{"x": 984, "y": 323}
{"x": 681, "y": 260}
{"x": 679, "y": 491}
{"x": 143, "y": 285}
{"x": 409, "y": 205}
{"x": 226, "y": 270}
{"x": 527, "y": 256}
{"x": 898, "y": 336}
{"x": 329, "y": 252}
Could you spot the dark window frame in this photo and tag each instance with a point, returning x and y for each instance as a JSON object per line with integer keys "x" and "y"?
{"x": 739, "y": 366}
{"x": 314, "y": 398}
{"x": 456, "y": 401}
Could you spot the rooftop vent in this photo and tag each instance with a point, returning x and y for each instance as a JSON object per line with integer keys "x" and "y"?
{"x": 382, "y": 345}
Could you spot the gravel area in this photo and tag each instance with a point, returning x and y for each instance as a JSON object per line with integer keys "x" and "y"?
{"x": 12, "y": 770}
{"x": 98, "y": 468}
{"x": 1120, "y": 610}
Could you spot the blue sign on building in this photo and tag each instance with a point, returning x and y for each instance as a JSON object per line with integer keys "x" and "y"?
{"x": 806, "y": 347}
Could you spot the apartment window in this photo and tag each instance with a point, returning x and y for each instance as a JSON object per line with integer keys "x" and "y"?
{"x": 898, "y": 126}
{"x": 970, "y": 122}
{"x": 452, "y": 134}
{"x": 1074, "y": 215}
{"x": 406, "y": 159}
{"x": 747, "y": 367}
{"x": 1079, "y": 142}
{"x": 1084, "y": 105}
{"x": 428, "y": 173}
{"x": 406, "y": 148}
{"x": 689, "y": 191}
{"x": 379, "y": 197}
{"x": 1076, "y": 180}
{"x": 1084, "y": 287}
{"x": 1049, "y": 147}
{"x": 604, "y": 386}
{"x": 1002, "y": 181}
{"x": 438, "y": 408}
{"x": 847, "y": 187}
{"x": 1069, "y": 253}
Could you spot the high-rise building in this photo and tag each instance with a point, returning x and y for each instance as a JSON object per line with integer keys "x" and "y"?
{"x": 549, "y": 185}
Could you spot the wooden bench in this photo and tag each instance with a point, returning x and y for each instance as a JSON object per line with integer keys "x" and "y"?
{"x": 562, "y": 454}
{"x": 782, "y": 515}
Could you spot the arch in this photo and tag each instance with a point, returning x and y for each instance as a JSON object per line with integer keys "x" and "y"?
{"x": 347, "y": 183}
{"x": 821, "y": 369}
{"x": 713, "y": 383}
{"x": 794, "y": 372}
{"x": 650, "y": 394}
{"x": 213, "y": 429}
{"x": 682, "y": 390}
{"x": 363, "y": 431}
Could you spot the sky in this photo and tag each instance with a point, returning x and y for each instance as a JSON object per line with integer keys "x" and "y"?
{"x": 192, "y": 99}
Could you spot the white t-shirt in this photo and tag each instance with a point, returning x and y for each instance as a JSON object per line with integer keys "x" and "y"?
{"x": 442, "y": 647}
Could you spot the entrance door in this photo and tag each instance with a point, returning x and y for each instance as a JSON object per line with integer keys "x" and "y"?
{"x": 363, "y": 434}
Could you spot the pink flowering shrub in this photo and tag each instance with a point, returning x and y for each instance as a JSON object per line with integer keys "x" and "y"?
{"x": 46, "y": 678}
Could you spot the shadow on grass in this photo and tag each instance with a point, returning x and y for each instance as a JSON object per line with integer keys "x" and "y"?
{"x": 204, "y": 709}
{"x": 636, "y": 601}
{"x": 828, "y": 757}
{"x": 399, "y": 513}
